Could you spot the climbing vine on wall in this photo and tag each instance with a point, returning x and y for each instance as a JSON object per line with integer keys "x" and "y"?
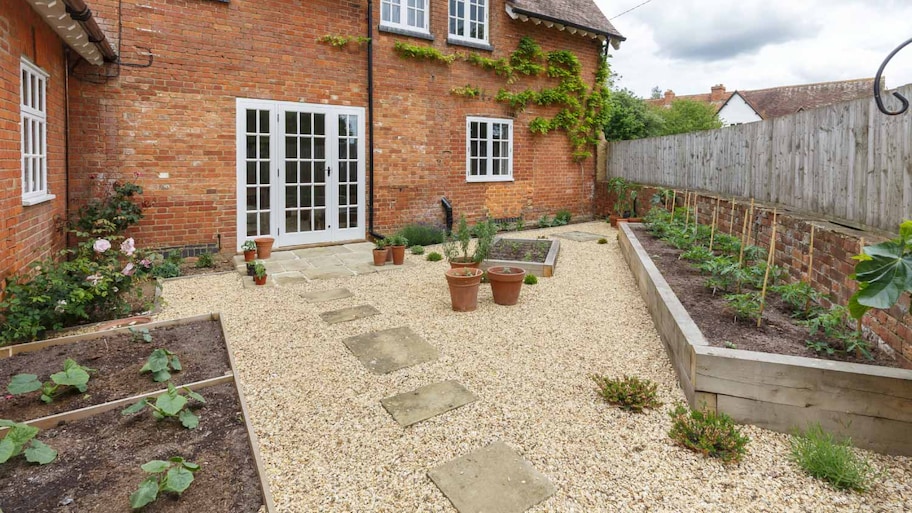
{"x": 584, "y": 110}
{"x": 340, "y": 41}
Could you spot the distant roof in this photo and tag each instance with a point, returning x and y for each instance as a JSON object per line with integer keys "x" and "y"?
{"x": 780, "y": 101}
{"x": 579, "y": 14}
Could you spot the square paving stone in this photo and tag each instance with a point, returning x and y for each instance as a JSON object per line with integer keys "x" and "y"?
{"x": 327, "y": 273}
{"x": 321, "y": 296}
{"x": 349, "y": 314}
{"x": 386, "y": 351}
{"x": 578, "y": 236}
{"x": 426, "y": 402}
{"x": 492, "y": 479}
{"x": 289, "y": 278}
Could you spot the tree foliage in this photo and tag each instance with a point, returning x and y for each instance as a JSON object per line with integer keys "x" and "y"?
{"x": 688, "y": 116}
{"x": 630, "y": 118}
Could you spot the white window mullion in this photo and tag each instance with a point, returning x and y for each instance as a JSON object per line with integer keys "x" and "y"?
{"x": 33, "y": 127}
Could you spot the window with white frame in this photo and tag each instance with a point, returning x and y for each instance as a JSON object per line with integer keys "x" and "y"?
{"x": 469, "y": 20}
{"x": 33, "y": 109}
{"x": 489, "y": 150}
{"x": 405, "y": 14}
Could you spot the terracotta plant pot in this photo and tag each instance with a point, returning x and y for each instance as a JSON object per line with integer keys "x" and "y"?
{"x": 398, "y": 254}
{"x": 506, "y": 283}
{"x": 123, "y": 323}
{"x": 613, "y": 219}
{"x": 264, "y": 247}
{"x": 457, "y": 263}
{"x": 260, "y": 281}
{"x": 250, "y": 255}
{"x": 380, "y": 256}
{"x": 464, "y": 283}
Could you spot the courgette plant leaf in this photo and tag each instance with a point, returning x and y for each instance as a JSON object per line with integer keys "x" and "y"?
{"x": 145, "y": 494}
{"x": 40, "y": 453}
{"x": 885, "y": 275}
{"x": 23, "y": 384}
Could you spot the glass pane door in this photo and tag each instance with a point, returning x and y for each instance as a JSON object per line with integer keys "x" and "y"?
{"x": 257, "y": 159}
{"x": 348, "y": 175}
{"x": 305, "y": 164}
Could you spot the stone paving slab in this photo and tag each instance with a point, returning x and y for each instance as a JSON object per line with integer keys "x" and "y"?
{"x": 492, "y": 479}
{"x": 360, "y": 246}
{"x": 349, "y": 314}
{"x": 386, "y": 351}
{"x": 323, "y": 296}
{"x": 289, "y": 278}
{"x": 426, "y": 402}
{"x": 578, "y": 236}
{"x": 327, "y": 273}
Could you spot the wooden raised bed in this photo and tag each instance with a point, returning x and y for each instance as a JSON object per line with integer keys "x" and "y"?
{"x": 139, "y": 438}
{"x": 543, "y": 267}
{"x": 870, "y": 404}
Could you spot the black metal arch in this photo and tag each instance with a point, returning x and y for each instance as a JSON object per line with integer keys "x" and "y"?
{"x": 877, "y": 79}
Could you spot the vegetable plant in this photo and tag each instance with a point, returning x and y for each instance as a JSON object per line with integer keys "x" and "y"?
{"x": 744, "y": 306}
{"x": 697, "y": 254}
{"x": 259, "y": 270}
{"x": 883, "y": 272}
{"x": 801, "y": 298}
{"x": 831, "y": 325}
{"x": 170, "y": 404}
{"x": 174, "y": 475}
{"x": 73, "y": 375}
{"x": 625, "y": 195}
{"x": 713, "y": 434}
{"x": 628, "y": 393}
{"x": 159, "y": 363}
{"x": 724, "y": 273}
{"x": 141, "y": 335}
{"x": 396, "y": 240}
{"x": 17, "y": 438}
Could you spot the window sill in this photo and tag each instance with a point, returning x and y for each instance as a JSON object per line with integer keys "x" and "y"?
{"x": 478, "y": 45}
{"x": 488, "y": 179}
{"x": 420, "y": 34}
{"x": 35, "y": 200}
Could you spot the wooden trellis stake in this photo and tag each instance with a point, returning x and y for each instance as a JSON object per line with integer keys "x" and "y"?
{"x": 674, "y": 197}
{"x": 750, "y": 224}
{"x": 731, "y": 224}
{"x": 808, "y": 279}
{"x": 859, "y": 323}
{"x": 687, "y": 210}
{"x": 743, "y": 241}
{"x": 769, "y": 264}
{"x": 712, "y": 233}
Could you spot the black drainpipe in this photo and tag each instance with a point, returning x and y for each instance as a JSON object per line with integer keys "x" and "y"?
{"x": 370, "y": 118}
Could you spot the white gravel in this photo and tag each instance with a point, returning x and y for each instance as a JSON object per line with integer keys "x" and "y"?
{"x": 329, "y": 445}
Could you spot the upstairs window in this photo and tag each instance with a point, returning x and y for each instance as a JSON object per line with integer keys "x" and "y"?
{"x": 405, "y": 14}
{"x": 33, "y": 123}
{"x": 489, "y": 150}
{"x": 469, "y": 20}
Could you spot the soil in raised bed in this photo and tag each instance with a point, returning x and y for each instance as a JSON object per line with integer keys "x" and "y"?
{"x": 99, "y": 458}
{"x": 778, "y": 333}
{"x": 117, "y": 359}
{"x": 520, "y": 250}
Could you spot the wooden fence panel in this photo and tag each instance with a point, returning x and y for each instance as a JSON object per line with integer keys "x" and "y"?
{"x": 847, "y": 161}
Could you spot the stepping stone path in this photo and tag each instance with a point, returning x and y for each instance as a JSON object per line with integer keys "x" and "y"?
{"x": 323, "y": 296}
{"x": 578, "y": 236}
{"x": 349, "y": 314}
{"x": 494, "y": 478}
{"x": 386, "y": 351}
{"x": 426, "y": 402}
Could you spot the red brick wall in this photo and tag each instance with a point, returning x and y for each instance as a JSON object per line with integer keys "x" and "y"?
{"x": 34, "y": 232}
{"x": 178, "y": 116}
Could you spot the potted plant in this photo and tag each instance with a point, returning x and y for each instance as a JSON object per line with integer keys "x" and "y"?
{"x": 464, "y": 283}
{"x": 380, "y": 251}
{"x": 259, "y": 273}
{"x": 506, "y": 283}
{"x": 264, "y": 247}
{"x": 625, "y": 195}
{"x": 397, "y": 244}
{"x": 458, "y": 248}
{"x": 250, "y": 250}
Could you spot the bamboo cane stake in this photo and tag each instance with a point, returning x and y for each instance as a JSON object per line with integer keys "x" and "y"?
{"x": 731, "y": 224}
{"x": 674, "y": 197}
{"x": 743, "y": 240}
{"x": 686, "y": 210}
{"x": 712, "y": 232}
{"x": 769, "y": 264}
{"x": 750, "y": 224}
{"x": 808, "y": 279}
{"x": 858, "y": 324}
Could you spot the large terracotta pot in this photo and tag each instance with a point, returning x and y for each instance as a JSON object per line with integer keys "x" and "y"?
{"x": 380, "y": 256}
{"x": 264, "y": 247}
{"x": 506, "y": 283}
{"x": 457, "y": 263}
{"x": 464, "y": 284}
{"x": 398, "y": 254}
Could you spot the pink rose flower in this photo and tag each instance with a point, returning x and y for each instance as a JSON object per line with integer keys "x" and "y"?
{"x": 128, "y": 270}
{"x": 94, "y": 278}
{"x": 127, "y": 247}
{"x": 145, "y": 262}
{"x": 101, "y": 245}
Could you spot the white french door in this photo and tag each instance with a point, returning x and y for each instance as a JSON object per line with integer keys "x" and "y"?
{"x": 300, "y": 172}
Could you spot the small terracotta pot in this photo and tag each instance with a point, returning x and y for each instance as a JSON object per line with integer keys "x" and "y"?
{"x": 613, "y": 219}
{"x": 464, "y": 283}
{"x": 506, "y": 285}
{"x": 250, "y": 255}
{"x": 380, "y": 256}
{"x": 260, "y": 281}
{"x": 123, "y": 323}
{"x": 459, "y": 264}
{"x": 264, "y": 247}
{"x": 398, "y": 254}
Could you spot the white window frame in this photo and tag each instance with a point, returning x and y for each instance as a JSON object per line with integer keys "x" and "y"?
{"x": 488, "y": 175}
{"x": 33, "y": 133}
{"x": 466, "y": 20}
{"x": 402, "y": 22}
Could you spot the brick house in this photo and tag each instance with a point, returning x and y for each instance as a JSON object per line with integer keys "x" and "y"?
{"x": 238, "y": 122}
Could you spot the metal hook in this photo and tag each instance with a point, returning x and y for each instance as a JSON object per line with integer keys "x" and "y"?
{"x": 901, "y": 98}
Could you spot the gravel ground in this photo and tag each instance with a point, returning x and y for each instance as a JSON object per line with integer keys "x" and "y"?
{"x": 329, "y": 445}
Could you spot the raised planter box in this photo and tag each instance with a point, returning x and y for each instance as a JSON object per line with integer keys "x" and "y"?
{"x": 541, "y": 269}
{"x": 109, "y": 412}
{"x": 870, "y": 404}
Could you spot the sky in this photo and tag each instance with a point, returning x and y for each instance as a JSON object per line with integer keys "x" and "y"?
{"x": 690, "y": 45}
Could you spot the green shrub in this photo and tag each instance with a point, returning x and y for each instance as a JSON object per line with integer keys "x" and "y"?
{"x": 603, "y": 240}
{"x": 113, "y": 213}
{"x": 434, "y": 256}
{"x": 205, "y": 260}
{"x": 397, "y": 239}
{"x": 628, "y": 393}
{"x": 530, "y": 279}
{"x": 166, "y": 269}
{"x": 417, "y": 250}
{"x": 422, "y": 234}
{"x": 562, "y": 217}
{"x": 823, "y": 457}
{"x": 707, "y": 432}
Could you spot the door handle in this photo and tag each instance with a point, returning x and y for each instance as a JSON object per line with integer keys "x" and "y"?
{"x": 328, "y": 171}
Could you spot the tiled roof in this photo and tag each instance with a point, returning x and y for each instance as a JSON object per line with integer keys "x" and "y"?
{"x": 582, "y": 14}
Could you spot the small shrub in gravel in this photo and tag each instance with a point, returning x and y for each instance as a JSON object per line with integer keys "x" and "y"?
{"x": 707, "y": 432}
{"x": 434, "y": 256}
{"x": 417, "y": 250}
{"x": 628, "y": 393}
{"x": 823, "y": 457}
{"x": 603, "y": 241}
{"x": 205, "y": 261}
{"x": 422, "y": 234}
{"x": 530, "y": 279}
